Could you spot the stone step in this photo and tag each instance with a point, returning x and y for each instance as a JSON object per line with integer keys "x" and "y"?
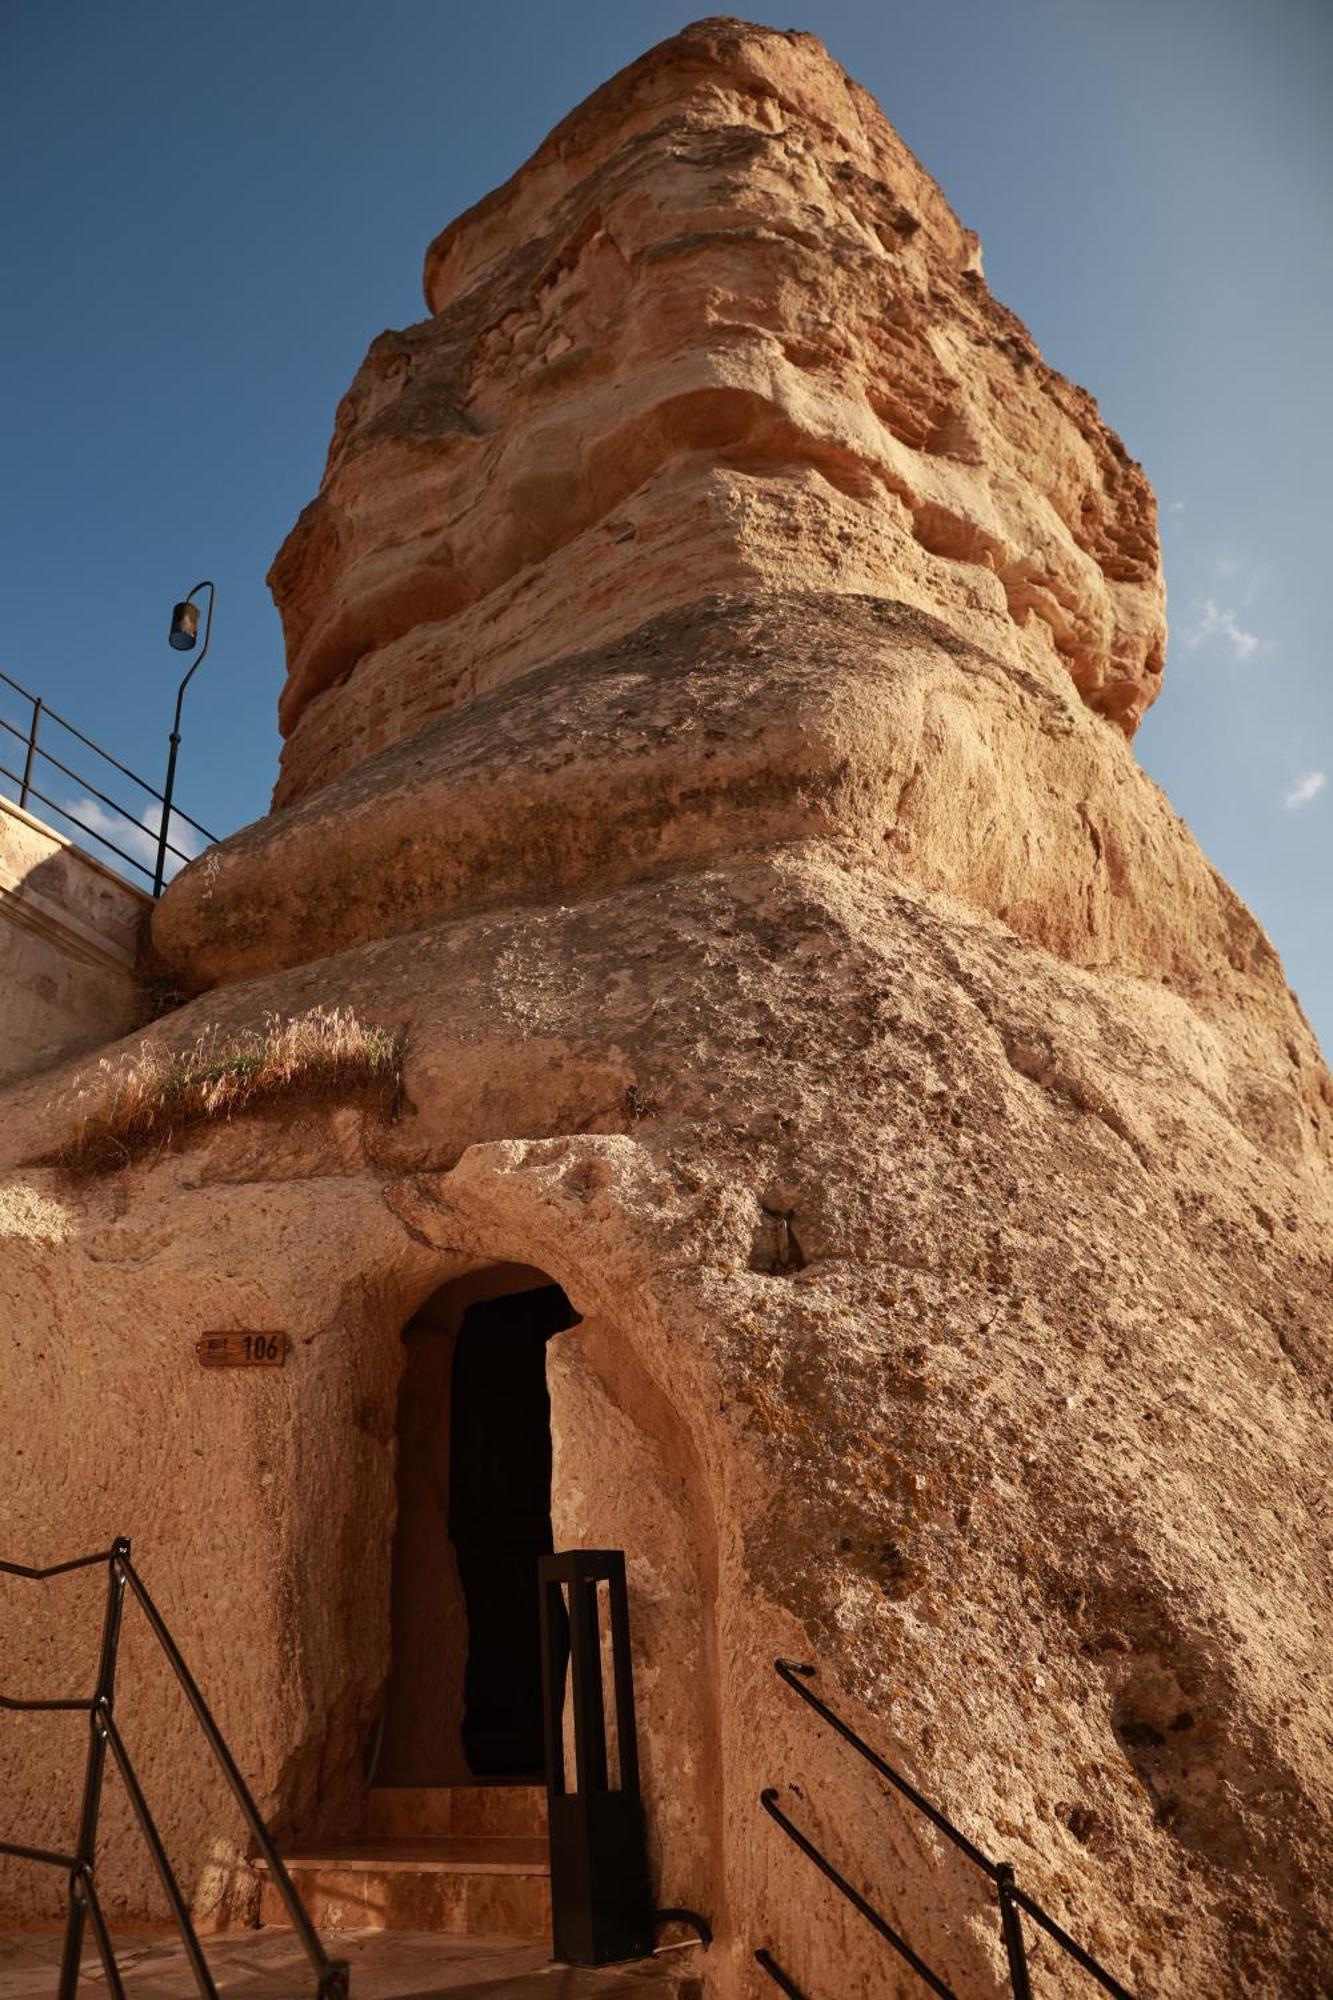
{"x": 385, "y": 1965}
{"x": 460, "y": 1885}
{"x": 408, "y": 1812}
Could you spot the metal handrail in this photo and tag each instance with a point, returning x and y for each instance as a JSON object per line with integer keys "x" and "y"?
{"x": 55, "y": 1569}
{"x": 1010, "y": 1897}
{"x": 74, "y": 776}
{"x": 767, "y": 1800}
{"x": 217, "y": 1744}
{"x": 28, "y": 788}
{"x": 783, "y": 1980}
{"x": 331, "y": 1974}
{"x": 166, "y": 1874}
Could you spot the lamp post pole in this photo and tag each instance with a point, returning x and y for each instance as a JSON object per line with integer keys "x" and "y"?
{"x": 184, "y": 632}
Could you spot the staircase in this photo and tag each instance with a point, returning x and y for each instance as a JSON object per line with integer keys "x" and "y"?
{"x": 461, "y": 1860}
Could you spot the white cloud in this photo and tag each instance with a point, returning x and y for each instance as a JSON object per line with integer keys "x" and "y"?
{"x": 1216, "y": 621}
{"x": 1308, "y": 786}
{"x": 1245, "y": 579}
{"x": 1175, "y": 506}
{"x": 136, "y": 837}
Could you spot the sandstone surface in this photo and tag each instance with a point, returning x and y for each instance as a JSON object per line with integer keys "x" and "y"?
{"x": 722, "y": 332}
{"x": 713, "y": 656}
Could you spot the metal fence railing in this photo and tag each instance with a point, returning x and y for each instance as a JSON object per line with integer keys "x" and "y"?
{"x": 1013, "y": 1902}
{"x": 601, "y": 1904}
{"x": 26, "y": 745}
{"x": 80, "y": 1868}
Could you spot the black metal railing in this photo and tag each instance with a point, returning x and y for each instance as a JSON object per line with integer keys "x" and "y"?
{"x": 35, "y": 756}
{"x": 1011, "y": 1899}
{"x": 782, "y": 1980}
{"x": 601, "y": 1906}
{"x": 80, "y": 1866}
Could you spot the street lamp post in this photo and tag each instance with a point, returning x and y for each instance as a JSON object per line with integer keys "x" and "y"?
{"x": 183, "y": 635}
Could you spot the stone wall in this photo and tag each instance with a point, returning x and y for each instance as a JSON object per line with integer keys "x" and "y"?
{"x": 69, "y": 944}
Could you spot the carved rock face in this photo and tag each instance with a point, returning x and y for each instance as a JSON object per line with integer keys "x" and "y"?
{"x": 721, "y": 333}
{"x": 702, "y": 654}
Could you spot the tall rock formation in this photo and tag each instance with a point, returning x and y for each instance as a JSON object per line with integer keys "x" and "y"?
{"x": 713, "y": 657}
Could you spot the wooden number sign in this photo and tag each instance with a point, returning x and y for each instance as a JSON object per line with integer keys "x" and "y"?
{"x": 242, "y": 1350}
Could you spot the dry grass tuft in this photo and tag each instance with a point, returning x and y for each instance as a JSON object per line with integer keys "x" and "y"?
{"x": 324, "y": 1055}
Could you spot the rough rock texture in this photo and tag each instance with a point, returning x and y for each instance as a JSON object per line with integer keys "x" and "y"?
{"x": 707, "y": 652}
{"x": 722, "y": 332}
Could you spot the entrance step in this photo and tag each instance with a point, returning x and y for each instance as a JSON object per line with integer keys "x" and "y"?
{"x": 460, "y": 1885}
{"x": 385, "y": 1965}
{"x": 405, "y": 1812}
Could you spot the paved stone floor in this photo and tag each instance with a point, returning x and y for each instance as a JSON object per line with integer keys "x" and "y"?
{"x": 386, "y": 1965}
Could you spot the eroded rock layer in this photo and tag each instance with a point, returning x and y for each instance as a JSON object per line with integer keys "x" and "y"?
{"x": 721, "y": 332}
{"x": 713, "y": 655}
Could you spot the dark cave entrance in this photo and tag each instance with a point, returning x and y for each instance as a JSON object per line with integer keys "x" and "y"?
{"x": 463, "y": 1700}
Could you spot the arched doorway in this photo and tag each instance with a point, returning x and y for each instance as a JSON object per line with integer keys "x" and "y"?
{"x": 463, "y": 1699}
{"x": 411, "y": 1836}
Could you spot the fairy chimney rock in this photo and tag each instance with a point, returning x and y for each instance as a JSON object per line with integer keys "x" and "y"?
{"x": 714, "y": 656}
{"x": 716, "y": 371}
{"x": 721, "y": 333}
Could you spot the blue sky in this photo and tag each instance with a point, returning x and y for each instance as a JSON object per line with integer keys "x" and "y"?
{"x": 212, "y": 208}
